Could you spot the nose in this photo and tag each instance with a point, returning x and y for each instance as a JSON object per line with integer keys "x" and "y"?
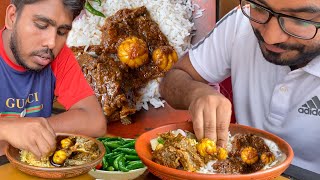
{"x": 272, "y": 32}
{"x": 50, "y": 38}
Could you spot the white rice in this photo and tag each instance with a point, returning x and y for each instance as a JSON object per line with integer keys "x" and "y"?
{"x": 174, "y": 18}
{"x": 30, "y": 159}
{"x": 150, "y": 94}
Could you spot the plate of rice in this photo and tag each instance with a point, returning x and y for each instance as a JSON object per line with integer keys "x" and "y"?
{"x": 26, "y": 162}
{"x": 176, "y": 20}
{"x": 282, "y": 151}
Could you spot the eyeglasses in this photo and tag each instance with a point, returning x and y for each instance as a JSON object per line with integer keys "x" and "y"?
{"x": 296, "y": 27}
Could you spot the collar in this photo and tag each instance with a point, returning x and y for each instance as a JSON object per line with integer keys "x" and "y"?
{"x": 5, "y": 57}
{"x": 313, "y": 67}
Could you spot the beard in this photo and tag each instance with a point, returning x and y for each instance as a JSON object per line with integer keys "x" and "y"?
{"x": 304, "y": 54}
{"x": 14, "y": 46}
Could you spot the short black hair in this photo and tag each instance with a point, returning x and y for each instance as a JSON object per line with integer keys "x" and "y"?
{"x": 75, "y": 6}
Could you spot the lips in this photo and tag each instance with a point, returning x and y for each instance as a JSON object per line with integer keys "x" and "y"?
{"x": 45, "y": 56}
{"x": 42, "y": 60}
{"x": 273, "y": 48}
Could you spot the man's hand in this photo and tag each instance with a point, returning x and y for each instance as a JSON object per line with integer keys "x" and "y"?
{"x": 31, "y": 134}
{"x": 211, "y": 113}
{"x": 183, "y": 88}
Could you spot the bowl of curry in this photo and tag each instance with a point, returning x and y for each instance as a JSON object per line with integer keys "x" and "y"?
{"x": 75, "y": 155}
{"x": 179, "y": 157}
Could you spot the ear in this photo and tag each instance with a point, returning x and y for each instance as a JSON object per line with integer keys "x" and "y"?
{"x": 11, "y": 16}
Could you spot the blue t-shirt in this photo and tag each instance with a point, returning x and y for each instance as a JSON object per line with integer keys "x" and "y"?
{"x": 27, "y": 93}
{"x": 31, "y": 94}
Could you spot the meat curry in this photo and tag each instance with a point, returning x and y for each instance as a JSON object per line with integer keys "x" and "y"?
{"x": 132, "y": 52}
{"x": 249, "y": 153}
{"x": 70, "y": 151}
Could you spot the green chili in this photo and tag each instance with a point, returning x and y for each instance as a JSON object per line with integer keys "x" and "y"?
{"x": 128, "y": 145}
{"x": 129, "y": 140}
{"x": 116, "y": 162}
{"x": 121, "y": 164}
{"x": 134, "y": 162}
{"x": 131, "y": 157}
{"x": 110, "y": 155}
{"x": 107, "y": 149}
{"x": 135, "y": 165}
{"x": 102, "y": 138}
{"x": 127, "y": 151}
{"x": 104, "y": 163}
{"x": 111, "y": 159}
{"x": 113, "y": 144}
{"x": 119, "y": 150}
{"x": 112, "y": 139}
{"x": 92, "y": 10}
{"x": 110, "y": 168}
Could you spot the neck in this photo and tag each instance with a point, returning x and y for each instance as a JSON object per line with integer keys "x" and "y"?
{"x": 6, "y": 34}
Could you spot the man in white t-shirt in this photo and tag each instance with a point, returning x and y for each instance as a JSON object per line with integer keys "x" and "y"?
{"x": 271, "y": 50}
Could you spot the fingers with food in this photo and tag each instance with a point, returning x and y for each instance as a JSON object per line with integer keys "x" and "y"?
{"x": 34, "y": 135}
{"x": 211, "y": 113}
{"x": 70, "y": 151}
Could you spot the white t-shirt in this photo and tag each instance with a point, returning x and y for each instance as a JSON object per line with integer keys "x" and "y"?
{"x": 265, "y": 95}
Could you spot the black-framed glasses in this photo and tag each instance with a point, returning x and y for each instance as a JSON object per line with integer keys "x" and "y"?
{"x": 296, "y": 27}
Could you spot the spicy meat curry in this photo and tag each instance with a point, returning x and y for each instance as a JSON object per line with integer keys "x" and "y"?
{"x": 132, "y": 52}
{"x": 249, "y": 153}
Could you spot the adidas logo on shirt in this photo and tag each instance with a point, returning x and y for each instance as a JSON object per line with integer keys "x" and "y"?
{"x": 312, "y": 107}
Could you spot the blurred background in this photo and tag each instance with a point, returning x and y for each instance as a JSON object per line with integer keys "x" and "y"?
{"x": 223, "y": 7}
{"x": 3, "y": 6}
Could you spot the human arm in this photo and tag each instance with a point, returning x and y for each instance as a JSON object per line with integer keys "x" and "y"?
{"x": 210, "y": 60}
{"x": 84, "y": 117}
{"x": 184, "y": 88}
{"x": 84, "y": 114}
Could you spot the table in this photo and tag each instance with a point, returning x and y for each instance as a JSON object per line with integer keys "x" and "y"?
{"x": 8, "y": 172}
{"x": 144, "y": 121}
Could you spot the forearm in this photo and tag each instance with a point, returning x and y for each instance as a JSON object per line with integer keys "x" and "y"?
{"x": 179, "y": 89}
{"x": 4, "y": 122}
{"x": 77, "y": 121}
{"x": 85, "y": 117}
{"x": 3, "y": 139}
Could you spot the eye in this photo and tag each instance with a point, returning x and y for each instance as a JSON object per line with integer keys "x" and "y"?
{"x": 62, "y": 32}
{"x": 301, "y": 23}
{"x": 41, "y": 25}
